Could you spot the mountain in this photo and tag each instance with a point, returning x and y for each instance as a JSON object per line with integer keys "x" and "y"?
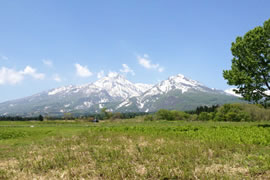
{"x": 106, "y": 92}
{"x": 177, "y": 92}
{"x": 116, "y": 93}
{"x": 231, "y": 92}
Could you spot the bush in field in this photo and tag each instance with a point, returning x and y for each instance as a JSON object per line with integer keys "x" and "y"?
{"x": 116, "y": 115}
{"x": 179, "y": 115}
{"x": 193, "y": 117}
{"x": 164, "y": 114}
{"x": 257, "y": 112}
{"x": 237, "y": 117}
{"x": 149, "y": 117}
{"x": 242, "y": 112}
{"x": 232, "y": 112}
{"x": 227, "y": 112}
{"x": 204, "y": 116}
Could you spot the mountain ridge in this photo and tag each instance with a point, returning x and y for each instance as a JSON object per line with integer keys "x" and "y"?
{"x": 116, "y": 93}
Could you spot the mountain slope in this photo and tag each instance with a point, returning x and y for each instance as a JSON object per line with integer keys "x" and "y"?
{"x": 118, "y": 94}
{"x": 177, "y": 92}
{"x": 108, "y": 91}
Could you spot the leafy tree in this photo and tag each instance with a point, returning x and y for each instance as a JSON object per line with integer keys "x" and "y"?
{"x": 250, "y": 70}
{"x": 205, "y": 116}
{"x": 105, "y": 113}
{"x": 149, "y": 117}
{"x": 164, "y": 114}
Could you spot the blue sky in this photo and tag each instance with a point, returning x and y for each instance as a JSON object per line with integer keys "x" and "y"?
{"x": 47, "y": 44}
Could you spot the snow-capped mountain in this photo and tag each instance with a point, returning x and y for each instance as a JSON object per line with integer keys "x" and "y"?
{"x": 231, "y": 92}
{"x": 115, "y": 85}
{"x": 179, "y": 82}
{"x": 177, "y": 92}
{"x": 116, "y": 93}
{"x": 106, "y": 92}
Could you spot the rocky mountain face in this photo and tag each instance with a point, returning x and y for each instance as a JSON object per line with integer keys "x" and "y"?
{"x": 116, "y": 93}
{"x": 177, "y": 92}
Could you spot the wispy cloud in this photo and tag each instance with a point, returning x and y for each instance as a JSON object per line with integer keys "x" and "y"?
{"x": 100, "y": 74}
{"x": 11, "y": 76}
{"x": 28, "y": 70}
{"x": 126, "y": 69}
{"x": 82, "y": 71}
{"x": 47, "y": 62}
{"x": 146, "y": 63}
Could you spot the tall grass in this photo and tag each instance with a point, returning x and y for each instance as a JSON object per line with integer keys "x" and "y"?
{"x": 137, "y": 150}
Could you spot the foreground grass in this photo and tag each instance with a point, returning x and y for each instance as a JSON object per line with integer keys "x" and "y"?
{"x": 134, "y": 150}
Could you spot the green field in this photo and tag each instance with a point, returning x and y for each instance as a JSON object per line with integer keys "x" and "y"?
{"x": 134, "y": 149}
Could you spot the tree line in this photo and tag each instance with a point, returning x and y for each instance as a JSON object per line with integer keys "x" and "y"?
{"x": 20, "y": 118}
{"x": 226, "y": 112}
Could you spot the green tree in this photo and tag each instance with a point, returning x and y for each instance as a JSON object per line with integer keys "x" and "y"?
{"x": 105, "y": 113}
{"x": 250, "y": 70}
{"x": 164, "y": 114}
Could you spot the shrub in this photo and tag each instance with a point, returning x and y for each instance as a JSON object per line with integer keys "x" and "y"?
{"x": 148, "y": 118}
{"x": 164, "y": 114}
{"x": 179, "y": 115}
{"x": 204, "y": 116}
{"x": 242, "y": 112}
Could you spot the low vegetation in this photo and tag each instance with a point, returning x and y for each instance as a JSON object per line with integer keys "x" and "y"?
{"x": 227, "y": 142}
{"x": 134, "y": 149}
{"x": 227, "y": 112}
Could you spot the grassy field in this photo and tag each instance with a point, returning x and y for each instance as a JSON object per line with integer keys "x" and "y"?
{"x": 133, "y": 149}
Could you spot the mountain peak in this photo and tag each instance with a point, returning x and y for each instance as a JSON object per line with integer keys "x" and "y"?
{"x": 180, "y": 76}
{"x": 112, "y": 78}
{"x": 181, "y": 79}
{"x": 116, "y": 92}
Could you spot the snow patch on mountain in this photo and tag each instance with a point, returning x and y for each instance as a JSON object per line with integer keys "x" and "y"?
{"x": 232, "y": 93}
{"x": 101, "y": 106}
{"x": 114, "y": 84}
{"x": 117, "y": 86}
{"x": 88, "y": 104}
{"x": 143, "y": 87}
{"x": 179, "y": 82}
{"x": 64, "y": 89}
{"x": 113, "y": 91}
{"x": 152, "y": 95}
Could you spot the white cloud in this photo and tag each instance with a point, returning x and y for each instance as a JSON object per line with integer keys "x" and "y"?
{"x": 146, "y": 63}
{"x": 57, "y": 78}
{"x": 11, "y": 76}
{"x": 47, "y": 62}
{"x": 82, "y": 71}
{"x": 127, "y": 69}
{"x": 28, "y": 70}
{"x": 3, "y": 57}
{"x": 100, "y": 74}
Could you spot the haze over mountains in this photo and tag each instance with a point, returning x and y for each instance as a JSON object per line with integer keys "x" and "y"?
{"x": 118, "y": 94}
